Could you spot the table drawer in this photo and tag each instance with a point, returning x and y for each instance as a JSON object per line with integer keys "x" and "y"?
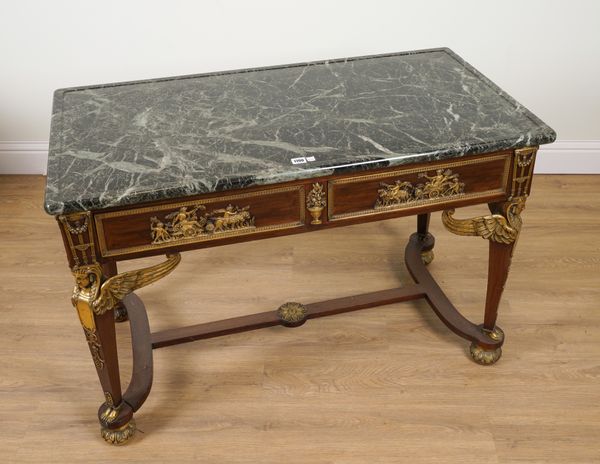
{"x": 183, "y": 223}
{"x": 412, "y": 187}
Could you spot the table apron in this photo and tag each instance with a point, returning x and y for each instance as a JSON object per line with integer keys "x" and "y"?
{"x": 301, "y": 206}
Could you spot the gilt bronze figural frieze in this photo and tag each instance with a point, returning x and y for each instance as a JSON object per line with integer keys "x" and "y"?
{"x": 189, "y": 223}
{"x": 442, "y": 184}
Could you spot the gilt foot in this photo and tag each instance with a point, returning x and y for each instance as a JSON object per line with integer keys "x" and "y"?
{"x": 486, "y": 356}
{"x": 119, "y": 436}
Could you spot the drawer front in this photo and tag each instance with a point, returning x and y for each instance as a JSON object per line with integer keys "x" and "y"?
{"x": 188, "y": 222}
{"x": 407, "y": 188}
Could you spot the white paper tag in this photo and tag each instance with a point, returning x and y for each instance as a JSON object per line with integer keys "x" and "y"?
{"x": 303, "y": 159}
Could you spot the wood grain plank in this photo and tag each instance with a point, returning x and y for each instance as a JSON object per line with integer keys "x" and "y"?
{"x": 379, "y": 386}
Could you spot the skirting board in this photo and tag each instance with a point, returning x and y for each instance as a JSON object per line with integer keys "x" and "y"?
{"x": 569, "y": 157}
{"x": 23, "y": 157}
{"x": 561, "y": 157}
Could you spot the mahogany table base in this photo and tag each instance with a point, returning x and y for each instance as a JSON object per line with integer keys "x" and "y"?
{"x": 485, "y": 344}
{"x": 95, "y": 242}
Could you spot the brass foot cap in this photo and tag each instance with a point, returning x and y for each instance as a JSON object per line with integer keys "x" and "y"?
{"x": 427, "y": 257}
{"x": 119, "y": 436}
{"x": 497, "y": 334}
{"x": 483, "y": 356}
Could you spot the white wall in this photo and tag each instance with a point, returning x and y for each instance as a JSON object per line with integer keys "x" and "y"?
{"x": 546, "y": 53}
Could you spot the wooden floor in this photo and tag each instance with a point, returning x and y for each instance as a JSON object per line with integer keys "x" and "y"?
{"x": 382, "y": 385}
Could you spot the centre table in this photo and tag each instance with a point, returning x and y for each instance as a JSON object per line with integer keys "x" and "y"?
{"x": 163, "y": 166}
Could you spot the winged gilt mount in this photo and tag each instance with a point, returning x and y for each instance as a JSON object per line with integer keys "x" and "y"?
{"x": 501, "y": 228}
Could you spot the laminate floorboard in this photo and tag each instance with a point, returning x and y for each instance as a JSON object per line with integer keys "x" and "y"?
{"x": 382, "y": 385}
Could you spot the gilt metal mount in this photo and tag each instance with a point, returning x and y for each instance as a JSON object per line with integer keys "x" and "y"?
{"x": 444, "y": 183}
{"x": 292, "y": 314}
{"x": 315, "y": 203}
{"x": 502, "y": 227}
{"x": 188, "y": 223}
{"x": 100, "y": 297}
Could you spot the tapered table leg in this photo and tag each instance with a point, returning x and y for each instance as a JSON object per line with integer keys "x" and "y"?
{"x": 98, "y": 292}
{"x": 95, "y": 298}
{"x": 115, "y": 415}
{"x": 499, "y": 264}
{"x": 502, "y": 229}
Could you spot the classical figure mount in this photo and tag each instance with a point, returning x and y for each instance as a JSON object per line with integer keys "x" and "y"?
{"x": 93, "y": 297}
{"x": 442, "y": 184}
{"x": 188, "y": 223}
{"x": 101, "y": 298}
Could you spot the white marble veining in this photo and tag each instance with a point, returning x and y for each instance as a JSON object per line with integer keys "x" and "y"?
{"x": 133, "y": 142}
